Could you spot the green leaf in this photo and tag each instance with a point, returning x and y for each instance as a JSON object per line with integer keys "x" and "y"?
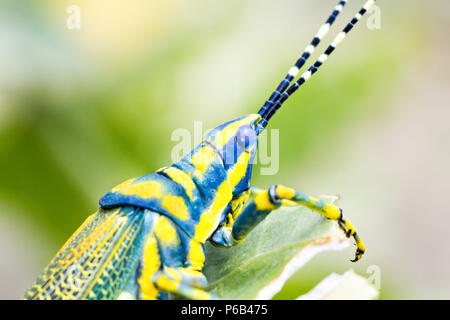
{"x": 348, "y": 286}
{"x": 280, "y": 245}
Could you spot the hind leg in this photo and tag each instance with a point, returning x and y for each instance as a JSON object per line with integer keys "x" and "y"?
{"x": 187, "y": 280}
{"x": 175, "y": 262}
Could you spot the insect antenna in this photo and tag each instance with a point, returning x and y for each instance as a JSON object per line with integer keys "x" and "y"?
{"x": 276, "y": 94}
{"x": 268, "y": 113}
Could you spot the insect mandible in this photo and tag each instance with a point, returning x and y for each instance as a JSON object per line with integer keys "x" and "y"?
{"x": 147, "y": 239}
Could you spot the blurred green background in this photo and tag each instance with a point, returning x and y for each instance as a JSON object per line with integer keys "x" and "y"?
{"x": 83, "y": 110}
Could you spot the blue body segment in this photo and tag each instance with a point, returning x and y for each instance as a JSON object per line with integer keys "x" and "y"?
{"x": 203, "y": 194}
{"x": 147, "y": 239}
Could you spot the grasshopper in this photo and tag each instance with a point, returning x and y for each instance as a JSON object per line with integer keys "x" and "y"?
{"x": 146, "y": 241}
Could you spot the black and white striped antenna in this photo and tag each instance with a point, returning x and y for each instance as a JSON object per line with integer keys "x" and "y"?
{"x": 272, "y": 105}
{"x": 276, "y": 94}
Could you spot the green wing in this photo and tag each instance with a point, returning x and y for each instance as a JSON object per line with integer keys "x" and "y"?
{"x": 97, "y": 261}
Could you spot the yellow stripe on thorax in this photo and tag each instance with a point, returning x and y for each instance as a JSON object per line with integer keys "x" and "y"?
{"x": 209, "y": 219}
{"x": 143, "y": 189}
{"x": 203, "y": 158}
{"x": 182, "y": 178}
{"x": 239, "y": 170}
{"x": 176, "y": 206}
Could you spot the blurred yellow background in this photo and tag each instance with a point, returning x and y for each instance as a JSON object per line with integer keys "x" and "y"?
{"x": 83, "y": 110}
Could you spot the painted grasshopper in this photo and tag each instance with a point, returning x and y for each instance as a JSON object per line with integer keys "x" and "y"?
{"x": 147, "y": 239}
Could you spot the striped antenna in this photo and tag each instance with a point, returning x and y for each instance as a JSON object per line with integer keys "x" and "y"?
{"x": 313, "y": 69}
{"x": 301, "y": 61}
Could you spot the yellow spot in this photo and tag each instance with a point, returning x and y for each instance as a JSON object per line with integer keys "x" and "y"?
{"x": 285, "y": 192}
{"x": 144, "y": 189}
{"x": 182, "y": 178}
{"x": 203, "y": 158}
{"x": 151, "y": 264}
{"x": 176, "y": 206}
{"x": 196, "y": 255}
{"x": 262, "y": 201}
{"x": 165, "y": 231}
{"x": 331, "y": 212}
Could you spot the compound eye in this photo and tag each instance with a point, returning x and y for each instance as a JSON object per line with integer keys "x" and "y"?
{"x": 246, "y": 137}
